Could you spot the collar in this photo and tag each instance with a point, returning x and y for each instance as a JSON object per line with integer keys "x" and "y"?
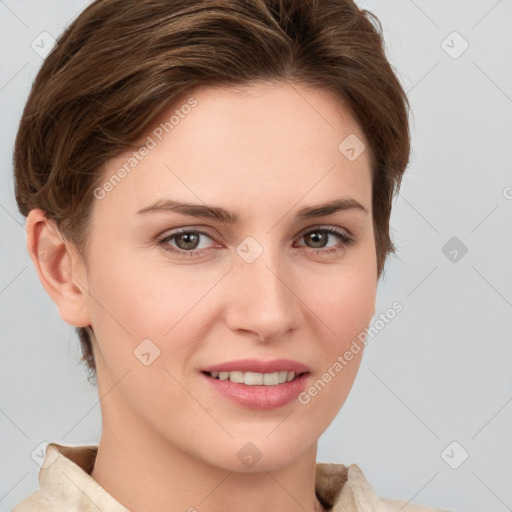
{"x": 65, "y": 482}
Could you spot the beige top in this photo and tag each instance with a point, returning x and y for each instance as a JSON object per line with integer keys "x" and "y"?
{"x": 66, "y": 486}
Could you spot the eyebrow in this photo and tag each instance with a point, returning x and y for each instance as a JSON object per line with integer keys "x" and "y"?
{"x": 223, "y": 215}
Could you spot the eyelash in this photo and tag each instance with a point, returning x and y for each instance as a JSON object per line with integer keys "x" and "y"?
{"x": 345, "y": 240}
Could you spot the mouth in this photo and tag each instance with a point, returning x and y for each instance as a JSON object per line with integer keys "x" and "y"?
{"x": 256, "y": 378}
{"x": 258, "y": 385}
{"x": 257, "y": 391}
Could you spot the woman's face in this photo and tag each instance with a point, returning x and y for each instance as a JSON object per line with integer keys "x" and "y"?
{"x": 272, "y": 288}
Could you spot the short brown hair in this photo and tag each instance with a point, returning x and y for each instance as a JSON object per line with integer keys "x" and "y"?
{"x": 122, "y": 61}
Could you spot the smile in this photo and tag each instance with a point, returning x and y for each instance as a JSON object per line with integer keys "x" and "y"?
{"x": 255, "y": 378}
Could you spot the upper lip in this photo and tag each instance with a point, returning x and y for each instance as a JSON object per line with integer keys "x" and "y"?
{"x": 258, "y": 366}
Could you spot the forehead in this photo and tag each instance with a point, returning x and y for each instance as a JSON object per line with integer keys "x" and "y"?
{"x": 230, "y": 145}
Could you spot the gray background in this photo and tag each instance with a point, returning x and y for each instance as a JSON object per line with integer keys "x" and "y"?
{"x": 438, "y": 373}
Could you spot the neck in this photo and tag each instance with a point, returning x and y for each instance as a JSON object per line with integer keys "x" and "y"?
{"x": 145, "y": 472}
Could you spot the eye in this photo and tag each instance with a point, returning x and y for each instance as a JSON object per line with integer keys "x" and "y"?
{"x": 187, "y": 242}
{"x": 319, "y": 237}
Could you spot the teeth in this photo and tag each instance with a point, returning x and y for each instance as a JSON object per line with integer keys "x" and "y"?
{"x": 254, "y": 378}
{"x": 236, "y": 377}
{"x": 271, "y": 379}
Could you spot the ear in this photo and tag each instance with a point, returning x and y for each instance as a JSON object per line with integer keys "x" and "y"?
{"x": 60, "y": 268}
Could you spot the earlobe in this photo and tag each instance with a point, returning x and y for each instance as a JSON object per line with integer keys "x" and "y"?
{"x": 60, "y": 269}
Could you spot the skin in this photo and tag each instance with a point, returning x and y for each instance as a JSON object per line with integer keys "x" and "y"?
{"x": 168, "y": 441}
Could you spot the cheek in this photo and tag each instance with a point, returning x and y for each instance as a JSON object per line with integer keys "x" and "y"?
{"x": 133, "y": 301}
{"x": 343, "y": 300}
{"x": 345, "y": 307}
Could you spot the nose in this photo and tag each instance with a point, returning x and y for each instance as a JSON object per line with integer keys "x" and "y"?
{"x": 263, "y": 300}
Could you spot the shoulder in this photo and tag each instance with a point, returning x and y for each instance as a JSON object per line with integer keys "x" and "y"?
{"x": 343, "y": 488}
{"x": 405, "y": 506}
{"x": 387, "y": 504}
{"x": 66, "y": 484}
{"x": 35, "y": 502}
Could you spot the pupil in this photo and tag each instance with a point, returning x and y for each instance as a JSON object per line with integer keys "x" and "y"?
{"x": 188, "y": 237}
{"x": 317, "y": 237}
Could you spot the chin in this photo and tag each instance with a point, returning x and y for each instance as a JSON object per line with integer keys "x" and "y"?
{"x": 253, "y": 455}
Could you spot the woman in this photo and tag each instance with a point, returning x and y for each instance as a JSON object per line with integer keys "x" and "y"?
{"x": 208, "y": 188}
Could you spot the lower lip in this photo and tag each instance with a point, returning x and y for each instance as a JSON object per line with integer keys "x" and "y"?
{"x": 262, "y": 398}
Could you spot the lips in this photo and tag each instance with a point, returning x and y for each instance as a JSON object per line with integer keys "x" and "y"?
{"x": 257, "y": 366}
{"x": 262, "y": 398}
{"x": 261, "y": 385}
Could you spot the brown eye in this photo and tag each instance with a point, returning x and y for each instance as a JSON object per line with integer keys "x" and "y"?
{"x": 319, "y": 237}
{"x": 186, "y": 242}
